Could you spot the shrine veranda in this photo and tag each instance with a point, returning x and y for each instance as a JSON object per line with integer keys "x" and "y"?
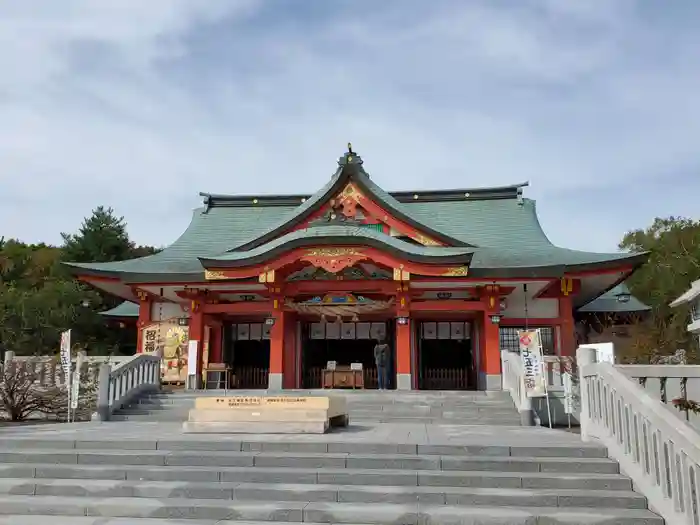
{"x": 275, "y": 286}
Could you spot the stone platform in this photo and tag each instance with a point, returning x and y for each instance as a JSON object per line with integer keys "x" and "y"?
{"x": 266, "y": 415}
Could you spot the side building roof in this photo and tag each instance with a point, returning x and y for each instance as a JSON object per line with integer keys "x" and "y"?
{"x": 618, "y": 299}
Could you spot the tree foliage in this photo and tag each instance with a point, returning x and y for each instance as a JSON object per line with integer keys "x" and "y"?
{"x": 39, "y": 298}
{"x": 673, "y": 244}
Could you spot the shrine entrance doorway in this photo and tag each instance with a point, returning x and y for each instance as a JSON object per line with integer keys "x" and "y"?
{"x": 246, "y": 351}
{"x": 344, "y": 343}
{"x": 445, "y": 356}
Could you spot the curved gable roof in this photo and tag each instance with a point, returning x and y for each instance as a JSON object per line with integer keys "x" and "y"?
{"x": 339, "y": 235}
{"x": 350, "y": 170}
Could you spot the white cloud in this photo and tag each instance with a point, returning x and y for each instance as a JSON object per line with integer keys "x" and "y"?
{"x": 140, "y": 105}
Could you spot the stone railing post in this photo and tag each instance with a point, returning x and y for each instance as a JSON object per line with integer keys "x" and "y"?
{"x": 585, "y": 357}
{"x": 103, "y": 404}
{"x": 9, "y": 356}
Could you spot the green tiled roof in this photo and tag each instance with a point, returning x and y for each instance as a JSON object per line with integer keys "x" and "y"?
{"x": 498, "y": 221}
{"x": 609, "y": 302}
{"x": 125, "y": 309}
{"x": 343, "y": 235}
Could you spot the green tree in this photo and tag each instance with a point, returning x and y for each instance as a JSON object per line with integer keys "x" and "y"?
{"x": 31, "y": 320}
{"x": 673, "y": 244}
{"x": 101, "y": 238}
{"x": 39, "y": 298}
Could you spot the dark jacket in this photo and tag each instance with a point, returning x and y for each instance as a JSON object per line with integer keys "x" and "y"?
{"x": 380, "y": 354}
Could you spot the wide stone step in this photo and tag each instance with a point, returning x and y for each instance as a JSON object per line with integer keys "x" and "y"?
{"x": 499, "y": 497}
{"x": 344, "y": 476}
{"x": 369, "y": 513}
{"x": 393, "y": 408}
{"x": 311, "y": 460}
{"x": 235, "y": 444}
{"x": 177, "y": 417}
{"x": 36, "y": 519}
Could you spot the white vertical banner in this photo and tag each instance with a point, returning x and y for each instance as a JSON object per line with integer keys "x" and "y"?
{"x": 75, "y": 387}
{"x": 66, "y": 365}
{"x": 65, "y": 356}
{"x": 192, "y": 357}
{"x": 568, "y": 393}
{"x": 533, "y": 364}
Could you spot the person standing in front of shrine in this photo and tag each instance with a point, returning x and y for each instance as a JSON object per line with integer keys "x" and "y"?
{"x": 381, "y": 358}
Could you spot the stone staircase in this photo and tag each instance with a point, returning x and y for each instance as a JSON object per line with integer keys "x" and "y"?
{"x": 451, "y": 408}
{"x": 147, "y": 474}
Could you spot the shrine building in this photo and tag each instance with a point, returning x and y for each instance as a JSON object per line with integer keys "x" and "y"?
{"x": 275, "y": 287}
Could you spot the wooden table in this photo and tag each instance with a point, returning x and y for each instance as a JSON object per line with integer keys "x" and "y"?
{"x": 223, "y": 375}
{"x": 342, "y": 377}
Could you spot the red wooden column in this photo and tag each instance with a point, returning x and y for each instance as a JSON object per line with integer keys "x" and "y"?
{"x": 277, "y": 338}
{"x": 145, "y": 304}
{"x": 290, "y": 351}
{"x": 567, "y": 328}
{"x": 490, "y": 354}
{"x": 404, "y": 379}
{"x": 403, "y": 355}
{"x": 196, "y": 333}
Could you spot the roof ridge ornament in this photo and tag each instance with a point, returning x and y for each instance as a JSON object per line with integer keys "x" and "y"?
{"x": 350, "y": 158}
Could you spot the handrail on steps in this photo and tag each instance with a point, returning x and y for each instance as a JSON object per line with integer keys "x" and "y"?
{"x": 514, "y": 382}
{"x": 659, "y": 451}
{"x": 127, "y": 381}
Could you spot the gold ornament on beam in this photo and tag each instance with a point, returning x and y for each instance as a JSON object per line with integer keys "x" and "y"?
{"x": 267, "y": 277}
{"x": 567, "y": 286}
{"x": 401, "y": 275}
{"x": 457, "y": 271}
{"x": 427, "y": 241}
{"x": 213, "y": 275}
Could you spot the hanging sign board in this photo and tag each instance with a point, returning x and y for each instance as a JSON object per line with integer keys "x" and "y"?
{"x": 533, "y": 364}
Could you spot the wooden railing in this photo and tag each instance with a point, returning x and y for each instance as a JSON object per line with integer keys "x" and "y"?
{"x": 251, "y": 377}
{"x": 657, "y": 449}
{"x": 444, "y": 379}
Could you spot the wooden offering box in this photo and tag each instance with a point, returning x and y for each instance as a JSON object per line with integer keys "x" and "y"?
{"x": 342, "y": 377}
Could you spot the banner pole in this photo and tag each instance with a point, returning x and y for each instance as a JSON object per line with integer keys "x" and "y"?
{"x": 546, "y": 393}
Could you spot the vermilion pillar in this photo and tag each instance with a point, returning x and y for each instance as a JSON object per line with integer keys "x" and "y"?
{"x": 403, "y": 355}
{"x": 291, "y": 354}
{"x": 490, "y": 369}
{"x": 567, "y": 328}
{"x": 144, "y": 320}
{"x": 277, "y": 338}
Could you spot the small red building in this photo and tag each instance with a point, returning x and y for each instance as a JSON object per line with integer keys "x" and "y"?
{"x": 276, "y": 286}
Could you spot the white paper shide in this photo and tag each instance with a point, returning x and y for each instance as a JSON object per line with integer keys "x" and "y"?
{"x": 533, "y": 369}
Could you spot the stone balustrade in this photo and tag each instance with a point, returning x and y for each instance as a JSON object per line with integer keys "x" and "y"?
{"x": 119, "y": 386}
{"x": 49, "y": 372}
{"x": 514, "y": 382}
{"x": 656, "y": 448}
{"x": 667, "y": 383}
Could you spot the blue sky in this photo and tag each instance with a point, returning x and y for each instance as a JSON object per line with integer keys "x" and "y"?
{"x": 140, "y": 105}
